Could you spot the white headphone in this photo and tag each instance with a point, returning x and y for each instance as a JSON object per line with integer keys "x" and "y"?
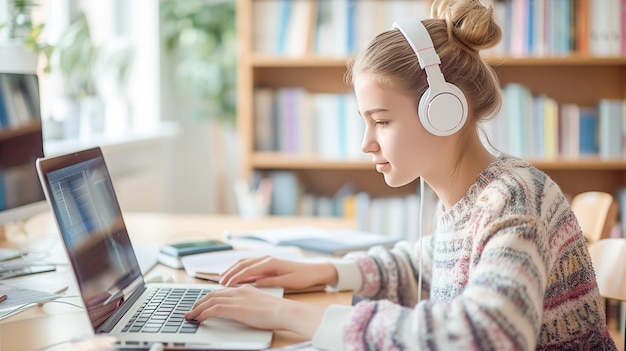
{"x": 443, "y": 106}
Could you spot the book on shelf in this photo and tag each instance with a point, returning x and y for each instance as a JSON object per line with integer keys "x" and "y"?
{"x": 328, "y": 129}
{"x": 3, "y": 202}
{"x": 11, "y": 112}
{"x": 337, "y": 28}
{"x": 297, "y": 121}
{"x": 556, "y": 28}
{"x": 542, "y": 128}
{"x": 289, "y": 198}
{"x": 517, "y": 107}
{"x": 265, "y": 31}
{"x": 327, "y": 241}
{"x": 550, "y": 129}
{"x": 4, "y": 116}
{"x": 537, "y": 131}
{"x": 587, "y": 141}
{"x": 569, "y": 124}
{"x": 605, "y": 23}
{"x": 264, "y": 119}
{"x": 299, "y": 27}
{"x": 332, "y": 28}
{"x": 610, "y": 128}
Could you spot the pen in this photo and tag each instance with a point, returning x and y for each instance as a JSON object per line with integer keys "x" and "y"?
{"x": 3, "y": 297}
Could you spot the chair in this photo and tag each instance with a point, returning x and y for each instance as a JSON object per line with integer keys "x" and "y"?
{"x": 607, "y": 256}
{"x": 596, "y": 212}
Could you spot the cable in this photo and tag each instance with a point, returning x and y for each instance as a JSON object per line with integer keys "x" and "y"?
{"x": 53, "y": 345}
{"x": 86, "y": 342}
{"x": 40, "y": 251}
{"x": 419, "y": 240}
{"x": 19, "y": 308}
{"x": 68, "y": 303}
{"x": 26, "y": 305}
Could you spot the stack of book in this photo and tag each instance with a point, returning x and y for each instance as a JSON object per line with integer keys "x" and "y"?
{"x": 171, "y": 254}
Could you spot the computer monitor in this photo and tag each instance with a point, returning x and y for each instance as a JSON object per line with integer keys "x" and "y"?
{"x": 21, "y": 143}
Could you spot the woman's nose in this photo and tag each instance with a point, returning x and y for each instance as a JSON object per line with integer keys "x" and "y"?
{"x": 368, "y": 144}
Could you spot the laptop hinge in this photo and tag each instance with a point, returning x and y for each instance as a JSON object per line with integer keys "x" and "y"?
{"x": 117, "y": 315}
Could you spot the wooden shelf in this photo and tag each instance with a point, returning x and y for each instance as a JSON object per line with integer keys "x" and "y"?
{"x": 23, "y": 130}
{"x": 277, "y": 160}
{"x": 592, "y": 163}
{"x": 578, "y": 79}
{"x": 311, "y": 61}
{"x": 570, "y": 60}
{"x": 259, "y": 60}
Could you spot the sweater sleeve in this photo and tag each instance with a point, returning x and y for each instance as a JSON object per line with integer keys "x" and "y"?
{"x": 499, "y": 308}
{"x": 349, "y": 276}
{"x": 356, "y": 272}
{"x": 329, "y": 335}
{"x": 394, "y": 274}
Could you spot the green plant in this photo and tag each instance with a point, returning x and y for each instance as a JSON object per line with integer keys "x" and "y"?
{"x": 20, "y": 23}
{"x": 202, "y": 34}
{"x": 74, "y": 56}
{"x": 80, "y": 62}
{"x": 21, "y": 26}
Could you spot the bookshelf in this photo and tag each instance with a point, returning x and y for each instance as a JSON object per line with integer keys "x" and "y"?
{"x": 573, "y": 78}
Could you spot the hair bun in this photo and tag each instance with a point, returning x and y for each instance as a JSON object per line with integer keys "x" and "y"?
{"x": 469, "y": 21}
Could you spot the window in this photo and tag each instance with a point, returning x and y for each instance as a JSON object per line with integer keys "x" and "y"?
{"x": 120, "y": 100}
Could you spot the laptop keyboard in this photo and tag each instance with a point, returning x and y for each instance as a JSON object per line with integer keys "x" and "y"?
{"x": 164, "y": 312}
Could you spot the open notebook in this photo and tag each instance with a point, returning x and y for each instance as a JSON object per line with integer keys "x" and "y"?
{"x": 327, "y": 241}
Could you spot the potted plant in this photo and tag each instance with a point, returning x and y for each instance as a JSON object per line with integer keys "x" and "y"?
{"x": 19, "y": 47}
{"x": 82, "y": 65}
{"x": 202, "y": 35}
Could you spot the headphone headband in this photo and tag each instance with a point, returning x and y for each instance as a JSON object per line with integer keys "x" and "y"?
{"x": 443, "y": 106}
{"x": 419, "y": 39}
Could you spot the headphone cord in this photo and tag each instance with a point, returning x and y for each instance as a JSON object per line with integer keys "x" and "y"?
{"x": 419, "y": 239}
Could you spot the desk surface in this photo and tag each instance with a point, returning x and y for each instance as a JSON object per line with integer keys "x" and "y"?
{"x": 54, "y": 322}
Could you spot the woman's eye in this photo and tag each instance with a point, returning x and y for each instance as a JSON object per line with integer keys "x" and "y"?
{"x": 382, "y": 123}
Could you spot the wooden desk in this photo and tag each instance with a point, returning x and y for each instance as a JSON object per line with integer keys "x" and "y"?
{"x": 54, "y": 322}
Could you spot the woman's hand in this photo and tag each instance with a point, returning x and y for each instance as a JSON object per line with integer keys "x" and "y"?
{"x": 251, "y": 306}
{"x": 270, "y": 271}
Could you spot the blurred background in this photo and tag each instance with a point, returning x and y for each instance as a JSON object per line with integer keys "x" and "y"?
{"x": 123, "y": 75}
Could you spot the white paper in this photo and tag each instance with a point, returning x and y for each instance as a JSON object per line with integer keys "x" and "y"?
{"x": 18, "y": 299}
{"x": 220, "y": 261}
{"x": 329, "y": 241}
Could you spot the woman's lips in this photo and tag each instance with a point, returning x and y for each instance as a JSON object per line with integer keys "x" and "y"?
{"x": 380, "y": 167}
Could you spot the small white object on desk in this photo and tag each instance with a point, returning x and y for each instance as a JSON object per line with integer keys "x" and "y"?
{"x": 254, "y": 203}
{"x": 9, "y": 254}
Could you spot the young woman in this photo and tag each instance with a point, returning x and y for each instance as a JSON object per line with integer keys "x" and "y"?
{"x": 507, "y": 267}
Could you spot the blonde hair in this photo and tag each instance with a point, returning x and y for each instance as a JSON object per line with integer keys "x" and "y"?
{"x": 459, "y": 30}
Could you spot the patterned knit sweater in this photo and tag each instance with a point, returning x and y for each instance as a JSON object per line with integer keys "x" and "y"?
{"x": 507, "y": 269}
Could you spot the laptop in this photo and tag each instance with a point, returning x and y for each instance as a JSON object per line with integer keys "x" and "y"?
{"x": 119, "y": 303}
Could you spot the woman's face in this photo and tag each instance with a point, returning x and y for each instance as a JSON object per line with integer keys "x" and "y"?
{"x": 401, "y": 148}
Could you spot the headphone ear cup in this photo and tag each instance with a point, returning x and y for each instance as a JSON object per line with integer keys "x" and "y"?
{"x": 443, "y": 112}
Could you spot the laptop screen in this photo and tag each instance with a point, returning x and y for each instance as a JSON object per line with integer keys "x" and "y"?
{"x": 90, "y": 221}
